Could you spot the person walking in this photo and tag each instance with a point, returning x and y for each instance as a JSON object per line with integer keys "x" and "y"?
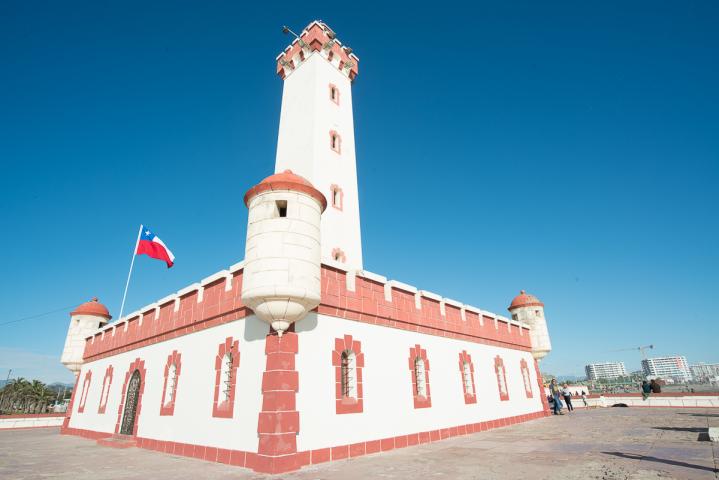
{"x": 556, "y": 393}
{"x": 646, "y": 389}
{"x": 584, "y": 399}
{"x": 567, "y": 394}
{"x": 656, "y": 388}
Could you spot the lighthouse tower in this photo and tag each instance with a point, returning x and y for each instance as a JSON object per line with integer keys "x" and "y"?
{"x": 84, "y": 322}
{"x": 529, "y": 309}
{"x": 316, "y": 134}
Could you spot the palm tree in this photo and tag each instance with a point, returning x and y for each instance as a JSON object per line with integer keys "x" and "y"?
{"x": 22, "y": 396}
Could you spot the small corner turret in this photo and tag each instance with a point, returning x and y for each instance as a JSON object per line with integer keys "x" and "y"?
{"x": 529, "y": 309}
{"x": 281, "y": 280}
{"x": 84, "y": 321}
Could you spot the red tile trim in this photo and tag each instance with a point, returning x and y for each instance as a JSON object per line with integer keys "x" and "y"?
{"x": 105, "y": 393}
{"x": 168, "y": 407}
{"x": 501, "y": 373}
{"x": 469, "y": 398}
{"x": 139, "y": 365}
{"x": 420, "y": 401}
{"x": 540, "y": 384}
{"x": 279, "y": 420}
{"x": 295, "y": 461}
{"x": 315, "y": 38}
{"x": 85, "y": 390}
{"x": 344, "y": 405}
{"x": 367, "y": 304}
{"x": 526, "y": 378}
{"x": 225, "y": 408}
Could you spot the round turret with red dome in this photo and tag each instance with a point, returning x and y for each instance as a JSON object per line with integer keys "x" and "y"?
{"x": 529, "y": 309}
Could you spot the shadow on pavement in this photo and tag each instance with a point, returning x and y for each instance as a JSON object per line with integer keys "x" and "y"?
{"x": 634, "y": 456}
{"x": 682, "y": 429}
{"x": 699, "y": 414}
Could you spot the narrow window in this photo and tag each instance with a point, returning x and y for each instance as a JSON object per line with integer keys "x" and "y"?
{"x": 334, "y": 94}
{"x": 421, "y": 377}
{"x": 226, "y": 376}
{"x": 335, "y": 142}
{"x": 171, "y": 383}
{"x": 527, "y": 384}
{"x": 502, "y": 380}
{"x": 105, "y": 390}
{"x": 467, "y": 375}
{"x": 349, "y": 379}
{"x": 538, "y": 313}
{"x": 281, "y": 208}
{"x": 335, "y": 197}
{"x": 514, "y": 317}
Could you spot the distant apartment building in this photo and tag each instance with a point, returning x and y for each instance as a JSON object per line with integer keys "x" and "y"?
{"x": 605, "y": 371}
{"x": 702, "y": 372}
{"x": 674, "y": 367}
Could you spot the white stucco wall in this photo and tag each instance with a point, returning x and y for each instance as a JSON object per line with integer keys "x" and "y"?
{"x": 192, "y": 421}
{"x": 388, "y": 402}
{"x": 303, "y": 146}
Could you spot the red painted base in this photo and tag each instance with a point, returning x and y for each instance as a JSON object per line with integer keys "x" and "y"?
{"x": 295, "y": 461}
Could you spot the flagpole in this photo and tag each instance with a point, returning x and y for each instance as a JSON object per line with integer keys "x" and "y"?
{"x": 132, "y": 263}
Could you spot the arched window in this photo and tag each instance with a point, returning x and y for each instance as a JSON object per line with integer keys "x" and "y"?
{"x": 348, "y": 360}
{"x": 467, "y": 374}
{"x": 226, "y": 363}
{"x": 421, "y": 376}
{"x": 107, "y": 381}
{"x": 171, "y": 383}
{"x": 501, "y": 378}
{"x": 226, "y": 376}
{"x": 173, "y": 368}
{"x": 526, "y": 377}
{"x": 466, "y": 371}
{"x": 85, "y": 390}
{"x": 419, "y": 367}
{"x": 349, "y": 379}
{"x": 338, "y": 255}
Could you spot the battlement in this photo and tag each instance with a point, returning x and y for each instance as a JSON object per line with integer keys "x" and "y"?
{"x": 317, "y": 38}
{"x": 354, "y": 295}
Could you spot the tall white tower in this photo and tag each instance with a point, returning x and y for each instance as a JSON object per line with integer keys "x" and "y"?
{"x": 316, "y": 134}
{"x": 529, "y": 309}
{"x": 84, "y": 321}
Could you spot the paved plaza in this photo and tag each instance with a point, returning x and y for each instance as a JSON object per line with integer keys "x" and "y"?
{"x": 607, "y": 444}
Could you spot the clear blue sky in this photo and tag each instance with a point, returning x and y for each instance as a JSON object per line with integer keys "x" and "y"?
{"x": 568, "y": 149}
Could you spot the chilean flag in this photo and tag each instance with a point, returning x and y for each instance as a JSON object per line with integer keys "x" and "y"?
{"x": 151, "y": 245}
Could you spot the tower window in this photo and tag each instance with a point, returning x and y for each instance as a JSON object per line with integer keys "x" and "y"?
{"x": 338, "y": 255}
{"x": 226, "y": 376}
{"x": 419, "y": 373}
{"x": 281, "y": 208}
{"x": 349, "y": 379}
{"x": 515, "y": 317}
{"x": 336, "y": 197}
{"x": 538, "y": 313}
{"x": 335, "y": 141}
{"x": 334, "y": 94}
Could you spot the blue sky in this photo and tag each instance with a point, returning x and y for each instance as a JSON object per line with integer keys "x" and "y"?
{"x": 568, "y": 149}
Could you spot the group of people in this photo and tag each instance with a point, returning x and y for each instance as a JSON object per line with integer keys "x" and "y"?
{"x": 557, "y": 394}
{"x": 650, "y": 387}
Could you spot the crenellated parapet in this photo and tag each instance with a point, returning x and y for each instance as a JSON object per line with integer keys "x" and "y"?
{"x": 317, "y": 38}
{"x": 354, "y": 295}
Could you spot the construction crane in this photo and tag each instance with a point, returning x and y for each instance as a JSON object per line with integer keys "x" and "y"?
{"x": 642, "y": 350}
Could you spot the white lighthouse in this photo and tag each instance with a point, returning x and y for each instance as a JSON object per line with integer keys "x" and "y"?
{"x": 84, "y": 322}
{"x": 529, "y": 309}
{"x": 316, "y": 134}
{"x": 281, "y": 280}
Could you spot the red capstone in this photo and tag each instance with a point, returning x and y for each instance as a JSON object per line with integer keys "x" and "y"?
{"x": 286, "y": 181}
{"x": 525, "y": 299}
{"x": 93, "y": 307}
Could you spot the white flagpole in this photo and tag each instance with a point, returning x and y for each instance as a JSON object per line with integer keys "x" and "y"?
{"x": 132, "y": 262}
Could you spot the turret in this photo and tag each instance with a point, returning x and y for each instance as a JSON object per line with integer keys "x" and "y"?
{"x": 84, "y": 321}
{"x": 281, "y": 279}
{"x": 529, "y": 309}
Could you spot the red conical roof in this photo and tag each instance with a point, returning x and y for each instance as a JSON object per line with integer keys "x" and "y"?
{"x": 286, "y": 181}
{"x": 525, "y": 299}
{"x": 93, "y": 307}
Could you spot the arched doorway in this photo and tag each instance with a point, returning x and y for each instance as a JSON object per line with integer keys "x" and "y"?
{"x": 131, "y": 400}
